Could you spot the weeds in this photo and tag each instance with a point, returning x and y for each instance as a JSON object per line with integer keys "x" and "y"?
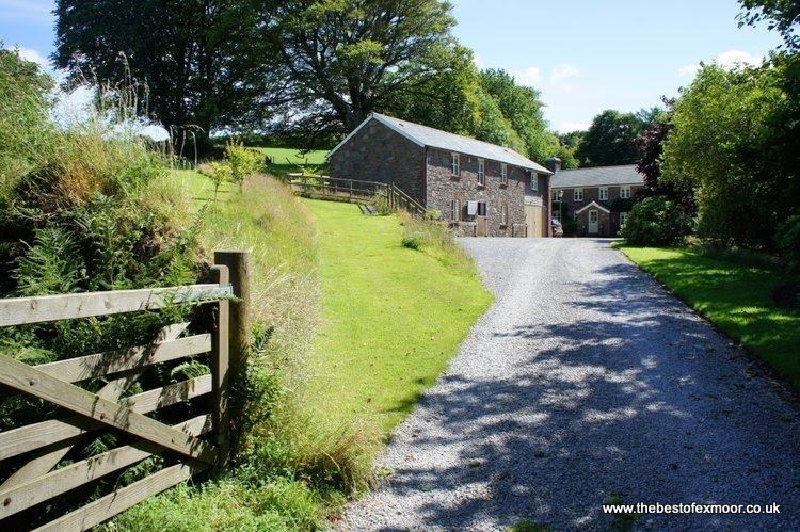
{"x": 434, "y": 238}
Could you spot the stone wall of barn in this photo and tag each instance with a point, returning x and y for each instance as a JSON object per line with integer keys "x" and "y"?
{"x": 377, "y": 153}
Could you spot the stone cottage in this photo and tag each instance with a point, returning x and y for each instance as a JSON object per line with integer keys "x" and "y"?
{"x": 481, "y": 189}
{"x": 593, "y": 201}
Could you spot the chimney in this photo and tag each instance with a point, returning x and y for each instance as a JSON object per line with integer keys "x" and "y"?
{"x": 553, "y": 164}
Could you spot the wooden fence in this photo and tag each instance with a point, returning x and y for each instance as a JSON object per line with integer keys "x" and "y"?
{"x": 195, "y": 444}
{"x": 354, "y": 191}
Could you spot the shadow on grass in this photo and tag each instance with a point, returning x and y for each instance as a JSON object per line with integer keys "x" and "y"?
{"x": 737, "y": 299}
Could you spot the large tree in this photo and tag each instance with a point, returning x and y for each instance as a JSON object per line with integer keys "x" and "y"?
{"x": 346, "y": 58}
{"x": 782, "y": 15}
{"x": 201, "y": 61}
{"x": 610, "y": 140}
{"x": 523, "y": 108}
{"x": 729, "y": 142}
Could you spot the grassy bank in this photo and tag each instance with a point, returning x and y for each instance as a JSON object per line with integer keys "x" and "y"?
{"x": 735, "y": 297}
{"x": 392, "y": 317}
{"x": 337, "y": 362}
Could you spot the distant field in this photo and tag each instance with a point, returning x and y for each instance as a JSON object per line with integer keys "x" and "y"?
{"x": 293, "y": 157}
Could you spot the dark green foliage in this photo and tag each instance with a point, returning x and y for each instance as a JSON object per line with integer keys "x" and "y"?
{"x": 657, "y": 221}
{"x": 52, "y": 265}
{"x": 735, "y": 143}
{"x": 788, "y": 239}
{"x": 343, "y": 59}
{"x": 610, "y": 140}
{"x": 201, "y": 60}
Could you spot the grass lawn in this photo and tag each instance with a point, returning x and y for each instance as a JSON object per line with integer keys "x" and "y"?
{"x": 736, "y": 298}
{"x": 288, "y": 160}
{"x": 392, "y": 317}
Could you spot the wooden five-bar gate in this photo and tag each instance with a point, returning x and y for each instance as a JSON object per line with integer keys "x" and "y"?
{"x": 199, "y": 443}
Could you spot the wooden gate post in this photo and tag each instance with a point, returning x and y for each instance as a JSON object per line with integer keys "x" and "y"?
{"x": 220, "y": 372}
{"x": 238, "y": 263}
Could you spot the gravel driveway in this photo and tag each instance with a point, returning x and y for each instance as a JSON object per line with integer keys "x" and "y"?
{"x": 586, "y": 382}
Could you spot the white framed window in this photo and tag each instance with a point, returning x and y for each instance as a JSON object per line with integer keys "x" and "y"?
{"x": 624, "y": 192}
{"x": 557, "y": 215}
{"x": 534, "y": 180}
{"x": 503, "y": 174}
{"x": 554, "y": 194}
{"x": 577, "y": 194}
{"x": 623, "y": 218}
{"x": 455, "y": 210}
{"x": 455, "y": 165}
{"x": 603, "y": 193}
{"x": 481, "y": 173}
{"x": 503, "y": 214}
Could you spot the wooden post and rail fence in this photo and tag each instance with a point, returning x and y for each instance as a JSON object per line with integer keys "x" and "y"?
{"x": 201, "y": 442}
{"x": 354, "y": 191}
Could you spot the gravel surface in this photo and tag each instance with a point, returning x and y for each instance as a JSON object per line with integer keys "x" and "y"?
{"x": 587, "y": 381}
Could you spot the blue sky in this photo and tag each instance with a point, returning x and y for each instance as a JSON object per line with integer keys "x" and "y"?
{"x": 584, "y": 56}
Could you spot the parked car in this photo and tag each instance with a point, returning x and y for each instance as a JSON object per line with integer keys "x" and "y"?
{"x": 555, "y": 228}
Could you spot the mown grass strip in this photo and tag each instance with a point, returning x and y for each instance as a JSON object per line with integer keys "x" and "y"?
{"x": 736, "y": 298}
{"x": 392, "y": 316}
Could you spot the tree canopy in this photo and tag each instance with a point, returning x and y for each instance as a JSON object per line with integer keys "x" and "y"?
{"x": 728, "y": 143}
{"x": 200, "y": 61}
{"x": 610, "y": 140}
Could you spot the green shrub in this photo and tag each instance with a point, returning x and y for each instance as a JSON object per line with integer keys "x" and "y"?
{"x": 24, "y": 128}
{"x": 242, "y": 161}
{"x": 788, "y": 239}
{"x": 219, "y": 173}
{"x": 657, "y": 221}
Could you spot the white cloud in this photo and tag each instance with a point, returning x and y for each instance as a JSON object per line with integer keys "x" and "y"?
{"x": 29, "y": 54}
{"x": 729, "y": 59}
{"x": 563, "y": 72}
{"x": 734, "y": 58}
{"x": 566, "y": 127}
{"x": 531, "y": 76}
{"x": 688, "y": 71}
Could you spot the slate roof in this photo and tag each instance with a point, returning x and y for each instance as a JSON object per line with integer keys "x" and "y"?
{"x": 436, "y": 138}
{"x": 597, "y": 176}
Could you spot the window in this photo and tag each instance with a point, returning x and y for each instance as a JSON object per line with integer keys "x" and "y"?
{"x": 625, "y": 192}
{"x": 604, "y": 193}
{"x": 623, "y": 218}
{"x": 455, "y": 210}
{"x": 456, "y": 165}
{"x": 555, "y": 195}
{"x": 534, "y": 180}
{"x": 557, "y": 215}
{"x": 578, "y": 194}
{"x": 503, "y": 174}
{"x": 503, "y": 214}
{"x": 481, "y": 173}
{"x": 481, "y": 208}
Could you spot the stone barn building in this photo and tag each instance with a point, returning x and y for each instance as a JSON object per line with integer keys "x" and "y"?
{"x": 481, "y": 189}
